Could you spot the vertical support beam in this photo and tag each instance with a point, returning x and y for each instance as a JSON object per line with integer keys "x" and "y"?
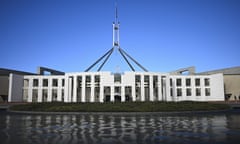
{"x": 66, "y": 89}
{"x": 151, "y": 88}
{"x": 123, "y": 97}
{"x": 49, "y": 98}
{"x": 30, "y": 90}
{"x": 40, "y": 90}
{"x": 74, "y": 98}
{"x": 59, "y": 91}
{"x": 142, "y": 88}
{"x": 83, "y": 98}
{"x": 133, "y": 91}
{"x": 92, "y": 88}
{"x": 159, "y": 85}
{"x": 101, "y": 98}
{"x": 112, "y": 94}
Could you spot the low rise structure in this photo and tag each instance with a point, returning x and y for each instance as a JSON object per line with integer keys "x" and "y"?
{"x": 115, "y": 87}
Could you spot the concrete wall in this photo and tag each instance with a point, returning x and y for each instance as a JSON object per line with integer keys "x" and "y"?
{"x": 3, "y": 87}
{"x": 232, "y": 86}
{"x": 15, "y": 93}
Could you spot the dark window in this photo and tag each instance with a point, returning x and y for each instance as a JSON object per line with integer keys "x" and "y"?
{"x": 55, "y": 82}
{"x": 35, "y": 82}
{"x": 188, "y": 82}
{"x": 197, "y": 82}
{"x": 207, "y": 92}
{"x": 45, "y": 82}
{"x": 179, "y": 82}
{"x": 189, "y": 92}
{"x": 179, "y": 92}
{"x": 207, "y": 81}
{"x": 198, "y": 92}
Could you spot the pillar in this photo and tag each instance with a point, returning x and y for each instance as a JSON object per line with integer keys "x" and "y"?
{"x": 83, "y": 98}
{"x": 151, "y": 88}
{"x": 92, "y": 88}
{"x": 142, "y": 88}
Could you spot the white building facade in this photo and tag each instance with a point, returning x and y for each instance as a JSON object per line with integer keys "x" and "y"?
{"x": 115, "y": 87}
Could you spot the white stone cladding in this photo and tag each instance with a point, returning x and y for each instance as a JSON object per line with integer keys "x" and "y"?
{"x": 121, "y": 87}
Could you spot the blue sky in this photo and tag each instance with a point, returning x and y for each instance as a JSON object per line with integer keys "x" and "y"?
{"x": 162, "y": 35}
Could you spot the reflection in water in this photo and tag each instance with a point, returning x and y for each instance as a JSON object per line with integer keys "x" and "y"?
{"x": 119, "y": 129}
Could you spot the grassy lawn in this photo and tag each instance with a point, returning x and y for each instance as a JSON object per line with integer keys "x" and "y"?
{"x": 120, "y": 107}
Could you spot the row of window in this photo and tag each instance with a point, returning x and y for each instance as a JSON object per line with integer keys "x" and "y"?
{"x": 188, "y": 82}
{"x": 45, "y": 82}
{"x": 179, "y": 92}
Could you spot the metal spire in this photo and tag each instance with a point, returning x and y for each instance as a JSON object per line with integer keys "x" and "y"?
{"x": 116, "y": 25}
{"x": 116, "y": 45}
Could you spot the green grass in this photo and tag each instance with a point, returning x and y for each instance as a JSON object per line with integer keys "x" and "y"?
{"x": 120, "y": 107}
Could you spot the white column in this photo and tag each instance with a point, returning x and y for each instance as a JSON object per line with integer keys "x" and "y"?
{"x": 151, "y": 87}
{"x": 30, "y": 90}
{"x": 74, "y": 99}
{"x": 83, "y": 98}
{"x": 66, "y": 89}
{"x": 123, "y": 97}
{"x": 159, "y": 85}
{"x": 101, "y": 93}
{"x": 142, "y": 88}
{"x": 112, "y": 94}
{"x": 59, "y": 91}
{"x": 49, "y": 98}
{"x": 40, "y": 90}
{"x": 133, "y": 92}
{"x": 92, "y": 88}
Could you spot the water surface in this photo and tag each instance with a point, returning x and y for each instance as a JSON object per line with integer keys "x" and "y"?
{"x": 104, "y": 129}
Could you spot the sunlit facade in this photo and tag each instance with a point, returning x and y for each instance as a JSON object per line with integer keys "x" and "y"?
{"x": 115, "y": 87}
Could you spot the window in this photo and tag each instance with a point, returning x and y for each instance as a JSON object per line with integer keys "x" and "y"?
{"x": 207, "y": 81}
{"x": 171, "y": 91}
{"x": 117, "y": 90}
{"x": 179, "y": 82}
{"x": 63, "y": 82}
{"x": 179, "y": 92}
{"x": 197, "y": 82}
{"x": 117, "y": 78}
{"x": 35, "y": 82}
{"x": 170, "y": 82}
{"x": 88, "y": 78}
{"x": 189, "y": 92}
{"x": 45, "y": 82}
{"x": 198, "y": 92}
{"x": 25, "y": 82}
{"x": 54, "y": 95}
{"x": 188, "y": 82}
{"x": 207, "y": 92}
{"x": 55, "y": 82}
{"x": 97, "y": 78}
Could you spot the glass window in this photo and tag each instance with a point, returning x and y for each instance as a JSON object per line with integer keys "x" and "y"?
{"x": 207, "y": 81}
{"x": 26, "y": 82}
{"x": 189, "y": 92}
{"x": 45, "y": 82}
{"x": 88, "y": 78}
{"x": 179, "y": 92}
{"x": 170, "y": 82}
{"x": 63, "y": 82}
{"x": 179, "y": 82}
{"x": 197, "y": 82}
{"x": 35, "y": 82}
{"x": 55, "y": 82}
{"x": 207, "y": 92}
{"x": 188, "y": 82}
{"x": 198, "y": 92}
{"x": 117, "y": 78}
